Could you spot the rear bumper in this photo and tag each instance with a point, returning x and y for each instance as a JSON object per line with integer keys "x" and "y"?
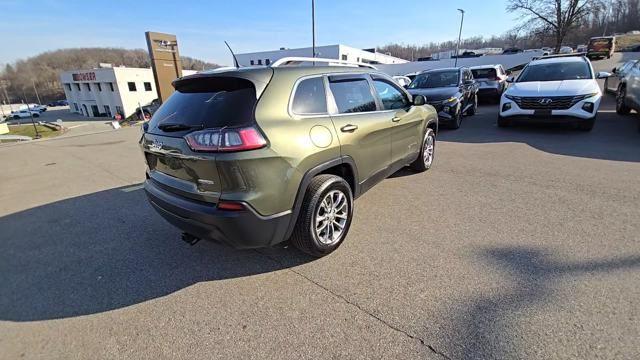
{"x": 239, "y": 229}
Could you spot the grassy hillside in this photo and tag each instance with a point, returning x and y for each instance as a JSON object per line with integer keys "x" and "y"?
{"x": 44, "y": 69}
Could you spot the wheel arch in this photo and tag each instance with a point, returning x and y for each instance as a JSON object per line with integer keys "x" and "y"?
{"x": 343, "y": 166}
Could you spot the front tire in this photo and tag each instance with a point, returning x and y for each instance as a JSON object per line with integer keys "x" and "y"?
{"x": 325, "y": 216}
{"x": 621, "y": 106}
{"x": 427, "y": 152}
{"x": 457, "y": 118}
{"x": 474, "y": 106}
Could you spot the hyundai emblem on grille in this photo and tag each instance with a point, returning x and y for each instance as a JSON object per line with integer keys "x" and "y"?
{"x": 545, "y": 101}
{"x": 155, "y": 145}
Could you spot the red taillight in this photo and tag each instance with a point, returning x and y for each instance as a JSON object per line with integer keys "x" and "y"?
{"x": 219, "y": 140}
{"x": 230, "y": 205}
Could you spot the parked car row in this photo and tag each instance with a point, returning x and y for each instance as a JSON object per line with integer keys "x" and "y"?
{"x": 246, "y": 170}
{"x": 27, "y": 111}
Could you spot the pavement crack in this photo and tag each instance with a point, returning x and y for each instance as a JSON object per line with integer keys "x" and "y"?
{"x": 358, "y": 307}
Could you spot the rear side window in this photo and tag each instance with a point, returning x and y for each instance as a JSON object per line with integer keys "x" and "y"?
{"x": 209, "y": 102}
{"x": 391, "y": 97}
{"x": 352, "y": 95}
{"x": 489, "y": 73}
{"x": 310, "y": 97}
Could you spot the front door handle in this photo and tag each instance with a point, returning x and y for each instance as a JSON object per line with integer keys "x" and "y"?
{"x": 349, "y": 128}
{"x": 395, "y": 119}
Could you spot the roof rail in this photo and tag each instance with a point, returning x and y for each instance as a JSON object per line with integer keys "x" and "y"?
{"x": 331, "y": 62}
{"x": 580, "y": 54}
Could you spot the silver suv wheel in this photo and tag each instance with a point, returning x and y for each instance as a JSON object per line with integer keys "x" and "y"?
{"x": 331, "y": 217}
{"x": 427, "y": 154}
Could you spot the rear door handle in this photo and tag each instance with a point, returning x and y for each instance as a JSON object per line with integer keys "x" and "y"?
{"x": 349, "y": 128}
{"x": 395, "y": 119}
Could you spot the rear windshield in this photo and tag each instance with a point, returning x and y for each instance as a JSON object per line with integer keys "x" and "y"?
{"x": 489, "y": 73}
{"x": 210, "y": 102}
{"x": 556, "y": 72}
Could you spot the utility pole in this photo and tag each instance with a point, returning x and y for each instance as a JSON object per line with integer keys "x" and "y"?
{"x": 36, "y": 90}
{"x": 313, "y": 28}
{"x": 4, "y": 88}
{"x": 459, "y": 36}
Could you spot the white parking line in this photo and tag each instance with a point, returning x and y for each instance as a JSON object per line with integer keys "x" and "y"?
{"x": 133, "y": 188}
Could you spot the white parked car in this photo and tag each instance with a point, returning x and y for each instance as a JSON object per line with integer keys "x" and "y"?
{"x": 566, "y": 50}
{"x": 23, "y": 113}
{"x": 402, "y": 80}
{"x": 553, "y": 90}
{"x": 37, "y": 107}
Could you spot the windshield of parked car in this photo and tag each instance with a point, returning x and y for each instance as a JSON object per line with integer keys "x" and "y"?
{"x": 435, "y": 79}
{"x": 556, "y": 72}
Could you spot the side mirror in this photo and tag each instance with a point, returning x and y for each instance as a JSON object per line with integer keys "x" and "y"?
{"x": 419, "y": 100}
{"x": 603, "y": 75}
{"x": 511, "y": 79}
{"x": 508, "y": 72}
{"x": 614, "y": 70}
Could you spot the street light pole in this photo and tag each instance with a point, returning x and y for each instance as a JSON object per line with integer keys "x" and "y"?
{"x": 459, "y": 36}
{"x": 36, "y": 90}
{"x": 313, "y": 28}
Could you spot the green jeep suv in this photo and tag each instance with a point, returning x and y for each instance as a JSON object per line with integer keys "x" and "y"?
{"x": 255, "y": 156}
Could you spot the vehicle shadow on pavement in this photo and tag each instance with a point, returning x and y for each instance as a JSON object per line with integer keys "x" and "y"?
{"x": 106, "y": 251}
{"x": 614, "y": 137}
{"x": 483, "y": 326}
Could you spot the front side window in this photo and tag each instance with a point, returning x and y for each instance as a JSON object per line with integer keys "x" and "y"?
{"x": 436, "y": 79}
{"x": 391, "y": 97}
{"x": 352, "y": 95}
{"x": 555, "y": 72}
{"x": 310, "y": 97}
{"x": 132, "y": 86}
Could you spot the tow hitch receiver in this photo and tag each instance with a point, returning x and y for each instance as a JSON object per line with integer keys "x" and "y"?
{"x": 190, "y": 239}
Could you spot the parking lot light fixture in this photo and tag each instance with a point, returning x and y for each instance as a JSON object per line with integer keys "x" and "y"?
{"x": 459, "y": 36}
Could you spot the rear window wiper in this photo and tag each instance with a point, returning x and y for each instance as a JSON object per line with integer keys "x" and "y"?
{"x": 179, "y": 127}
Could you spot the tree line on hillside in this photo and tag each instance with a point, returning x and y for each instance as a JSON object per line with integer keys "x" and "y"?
{"x": 41, "y": 73}
{"x": 551, "y": 23}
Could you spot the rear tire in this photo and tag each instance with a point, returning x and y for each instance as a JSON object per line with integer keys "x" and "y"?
{"x": 325, "y": 216}
{"x": 427, "y": 152}
{"x": 503, "y": 122}
{"x": 621, "y": 106}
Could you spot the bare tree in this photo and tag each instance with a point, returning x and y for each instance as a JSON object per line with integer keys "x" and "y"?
{"x": 558, "y": 16}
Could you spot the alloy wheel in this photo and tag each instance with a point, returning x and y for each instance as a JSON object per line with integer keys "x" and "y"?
{"x": 331, "y": 217}
{"x": 427, "y": 153}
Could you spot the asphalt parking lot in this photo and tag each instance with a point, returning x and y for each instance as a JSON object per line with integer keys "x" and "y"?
{"x": 519, "y": 243}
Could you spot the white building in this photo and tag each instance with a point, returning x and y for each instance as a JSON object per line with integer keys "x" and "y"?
{"x": 340, "y": 52}
{"x": 108, "y": 91}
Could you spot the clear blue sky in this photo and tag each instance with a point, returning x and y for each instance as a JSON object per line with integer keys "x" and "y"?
{"x": 29, "y": 27}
